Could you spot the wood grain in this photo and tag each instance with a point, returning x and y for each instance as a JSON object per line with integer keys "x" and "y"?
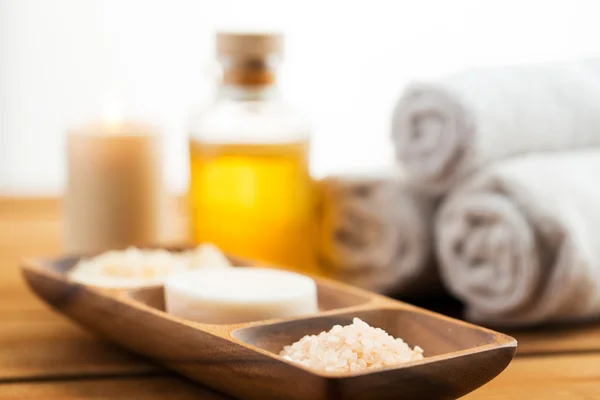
{"x": 559, "y": 339}
{"x": 541, "y": 378}
{"x": 39, "y": 344}
{"x": 163, "y": 388}
{"x": 242, "y": 360}
{"x": 32, "y": 227}
{"x": 35, "y": 341}
{"x": 37, "y": 337}
{"x": 536, "y": 378}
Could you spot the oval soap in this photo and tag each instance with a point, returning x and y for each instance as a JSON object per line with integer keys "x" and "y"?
{"x": 242, "y": 294}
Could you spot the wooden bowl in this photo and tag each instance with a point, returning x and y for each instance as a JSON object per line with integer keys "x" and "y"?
{"x": 241, "y": 360}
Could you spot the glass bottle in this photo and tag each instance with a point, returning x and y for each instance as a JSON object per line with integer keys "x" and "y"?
{"x": 250, "y": 188}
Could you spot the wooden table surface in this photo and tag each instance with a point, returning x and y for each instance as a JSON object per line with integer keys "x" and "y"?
{"x": 45, "y": 356}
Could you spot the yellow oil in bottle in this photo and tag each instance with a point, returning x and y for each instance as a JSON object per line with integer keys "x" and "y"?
{"x": 253, "y": 200}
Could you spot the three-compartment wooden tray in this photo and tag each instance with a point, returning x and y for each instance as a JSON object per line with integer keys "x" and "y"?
{"x": 241, "y": 360}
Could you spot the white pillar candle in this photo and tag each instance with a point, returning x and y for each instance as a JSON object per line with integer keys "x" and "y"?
{"x": 115, "y": 189}
{"x": 243, "y": 294}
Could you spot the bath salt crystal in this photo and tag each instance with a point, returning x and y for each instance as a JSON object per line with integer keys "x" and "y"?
{"x": 133, "y": 267}
{"x": 351, "y": 348}
{"x": 333, "y": 339}
{"x": 207, "y": 255}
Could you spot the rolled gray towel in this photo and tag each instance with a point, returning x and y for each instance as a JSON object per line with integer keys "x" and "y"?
{"x": 375, "y": 233}
{"x": 519, "y": 241}
{"x": 444, "y": 130}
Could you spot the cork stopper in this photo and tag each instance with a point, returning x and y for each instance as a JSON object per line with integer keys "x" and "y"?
{"x": 249, "y": 46}
{"x": 247, "y": 57}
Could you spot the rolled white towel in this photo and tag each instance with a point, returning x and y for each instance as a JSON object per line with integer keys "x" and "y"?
{"x": 519, "y": 241}
{"x": 375, "y": 233}
{"x": 446, "y": 129}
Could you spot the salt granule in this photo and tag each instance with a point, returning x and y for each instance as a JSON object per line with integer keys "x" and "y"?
{"x": 135, "y": 267}
{"x": 351, "y": 348}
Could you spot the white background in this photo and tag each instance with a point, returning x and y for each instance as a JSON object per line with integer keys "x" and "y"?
{"x": 347, "y": 61}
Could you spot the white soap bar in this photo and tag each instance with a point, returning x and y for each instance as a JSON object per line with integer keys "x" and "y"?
{"x": 243, "y": 294}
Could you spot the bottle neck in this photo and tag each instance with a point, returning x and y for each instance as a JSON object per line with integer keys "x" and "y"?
{"x": 247, "y": 93}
